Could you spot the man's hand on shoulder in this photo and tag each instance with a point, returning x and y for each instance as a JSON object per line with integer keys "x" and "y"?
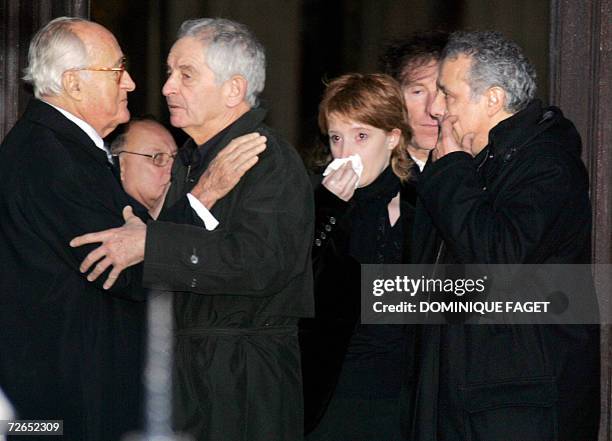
{"x": 120, "y": 248}
{"x": 448, "y": 141}
{"x": 225, "y": 171}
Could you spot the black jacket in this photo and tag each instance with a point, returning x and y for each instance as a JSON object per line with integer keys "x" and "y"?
{"x": 523, "y": 199}
{"x": 239, "y": 292}
{"x": 324, "y": 339}
{"x": 70, "y": 350}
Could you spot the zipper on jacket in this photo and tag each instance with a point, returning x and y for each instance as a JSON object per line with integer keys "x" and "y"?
{"x": 487, "y": 155}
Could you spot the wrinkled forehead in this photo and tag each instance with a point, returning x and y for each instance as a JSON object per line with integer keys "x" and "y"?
{"x": 454, "y": 70}
{"x": 187, "y": 51}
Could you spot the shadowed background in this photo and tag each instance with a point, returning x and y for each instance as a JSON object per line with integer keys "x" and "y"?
{"x": 308, "y": 41}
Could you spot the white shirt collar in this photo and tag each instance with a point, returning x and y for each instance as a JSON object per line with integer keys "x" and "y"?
{"x": 420, "y": 164}
{"x": 89, "y": 130}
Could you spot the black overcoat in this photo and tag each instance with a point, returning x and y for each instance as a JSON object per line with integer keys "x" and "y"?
{"x": 69, "y": 349}
{"x": 523, "y": 199}
{"x": 324, "y": 339}
{"x": 240, "y": 290}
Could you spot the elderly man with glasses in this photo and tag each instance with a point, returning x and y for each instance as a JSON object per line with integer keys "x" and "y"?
{"x": 146, "y": 152}
{"x": 71, "y": 350}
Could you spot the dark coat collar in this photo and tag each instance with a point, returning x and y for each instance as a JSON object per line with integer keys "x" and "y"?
{"x": 245, "y": 124}
{"x": 41, "y": 113}
{"x": 520, "y": 128}
{"x": 46, "y": 115}
{"x": 512, "y": 130}
{"x": 195, "y": 159}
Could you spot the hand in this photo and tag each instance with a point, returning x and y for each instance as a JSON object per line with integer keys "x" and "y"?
{"x": 225, "y": 171}
{"x": 342, "y": 182}
{"x": 448, "y": 142}
{"x": 121, "y": 247}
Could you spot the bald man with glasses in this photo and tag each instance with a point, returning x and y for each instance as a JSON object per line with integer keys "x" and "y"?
{"x": 146, "y": 152}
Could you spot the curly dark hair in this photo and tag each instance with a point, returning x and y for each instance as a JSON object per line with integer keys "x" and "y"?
{"x": 415, "y": 50}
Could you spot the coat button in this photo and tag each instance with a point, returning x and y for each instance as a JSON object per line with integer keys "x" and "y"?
{"x": 318, "y": 242}
{"x": 332, "y": 220}
{"x": 194, "y": 282}
{"x": 323, "y": 235}
{"x": 194, "y": 259}
{"x": 327, "y": 228}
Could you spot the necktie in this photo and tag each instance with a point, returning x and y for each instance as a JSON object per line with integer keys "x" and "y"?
{"x": 113, "y": 163}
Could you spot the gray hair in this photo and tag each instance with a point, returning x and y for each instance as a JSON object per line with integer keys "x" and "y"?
{"x": 231, "y": 49}
{"x": 54, "y": 49}
{"x": 496, "y": 61}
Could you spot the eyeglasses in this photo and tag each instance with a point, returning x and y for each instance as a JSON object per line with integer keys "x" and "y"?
{"x": 159, "y": 159}
{"x": 118, "y": 71}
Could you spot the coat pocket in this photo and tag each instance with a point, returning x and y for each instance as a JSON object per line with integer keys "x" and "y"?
{"x": 513, "y": 410}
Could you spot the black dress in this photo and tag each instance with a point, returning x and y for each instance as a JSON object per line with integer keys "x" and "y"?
{"x": 352, "y": 371}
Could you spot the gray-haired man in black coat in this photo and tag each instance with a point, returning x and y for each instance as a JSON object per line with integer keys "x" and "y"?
{"x": 239, "y": 265}
{"x": 505, "y": 185}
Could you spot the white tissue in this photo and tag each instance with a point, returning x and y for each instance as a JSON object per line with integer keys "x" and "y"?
{"x": 356, "y": 164}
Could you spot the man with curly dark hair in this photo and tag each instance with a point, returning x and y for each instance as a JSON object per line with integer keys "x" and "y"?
{"x": 413, "y": 62}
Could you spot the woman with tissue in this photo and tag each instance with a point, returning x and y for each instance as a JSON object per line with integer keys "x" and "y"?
{"x": 365, "y": 209}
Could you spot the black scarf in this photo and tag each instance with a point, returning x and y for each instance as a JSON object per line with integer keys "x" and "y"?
{"x": 373, "y": 240}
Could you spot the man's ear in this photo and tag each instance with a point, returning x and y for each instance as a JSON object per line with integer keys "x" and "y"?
{"x": 235, "y": 90}
{"x": 71, "y": 82}
{"x": 495, "y": 100}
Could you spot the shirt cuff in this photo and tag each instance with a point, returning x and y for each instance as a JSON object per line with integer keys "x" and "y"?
{"x": 210, "y": 223}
